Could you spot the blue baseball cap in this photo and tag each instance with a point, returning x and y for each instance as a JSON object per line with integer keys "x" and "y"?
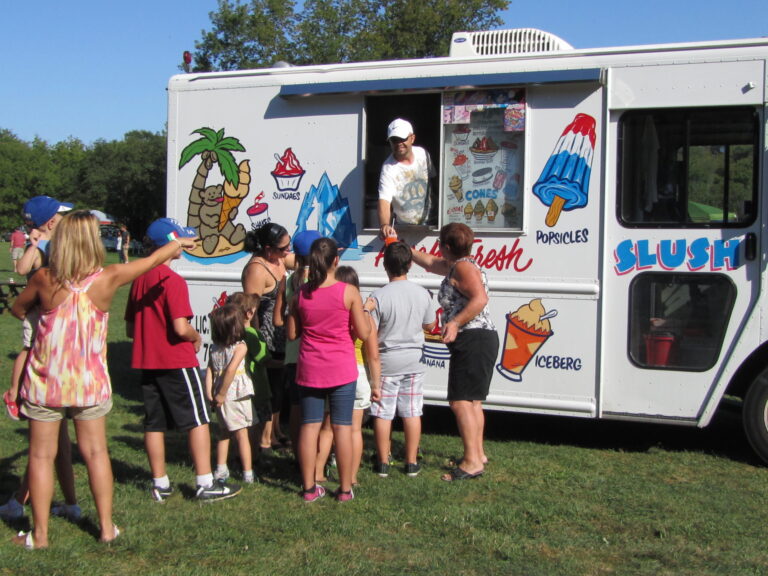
{"x": 40, "y": 209}
{"x": 163, "y": 230}
{"x": 302, "y": 242}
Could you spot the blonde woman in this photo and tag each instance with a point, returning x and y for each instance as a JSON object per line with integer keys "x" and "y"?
{"x": 66, "y": 374}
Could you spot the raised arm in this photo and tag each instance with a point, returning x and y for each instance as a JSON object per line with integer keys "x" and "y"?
{"x": 430, "y": 262}
{"x": 120, "y": 274}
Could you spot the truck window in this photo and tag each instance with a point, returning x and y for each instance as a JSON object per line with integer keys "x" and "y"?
{"x": 688, "y": 168}
{"x": 482, "y": 158}
{"x": 678, "y": 321}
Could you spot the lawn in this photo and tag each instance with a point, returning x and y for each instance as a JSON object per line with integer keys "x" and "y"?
{"x": 560, "y": 496}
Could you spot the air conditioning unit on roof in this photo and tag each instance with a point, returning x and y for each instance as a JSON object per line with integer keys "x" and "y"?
{"x": 500, "y": 42}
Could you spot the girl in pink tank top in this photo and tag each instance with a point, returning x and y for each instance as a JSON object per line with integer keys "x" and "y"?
{"x": 328, "y": 316}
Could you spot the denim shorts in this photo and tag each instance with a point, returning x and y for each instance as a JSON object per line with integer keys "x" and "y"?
{"x": 341, "y": 400}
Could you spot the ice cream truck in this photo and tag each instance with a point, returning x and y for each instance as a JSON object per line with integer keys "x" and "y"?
{"x": 617, "y": 196}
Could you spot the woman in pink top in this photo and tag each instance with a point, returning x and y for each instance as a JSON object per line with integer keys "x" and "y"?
{"x": 328, "y": 316}
{"x": 66, "y": 373}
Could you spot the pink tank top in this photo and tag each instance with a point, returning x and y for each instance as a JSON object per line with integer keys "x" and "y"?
{"x": 326, "y": 352}
{"x": 68, "y": 361}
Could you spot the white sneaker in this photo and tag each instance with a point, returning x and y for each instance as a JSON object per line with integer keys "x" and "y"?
{"x": 11, "y": 510}
{"x": 221, "y": 475}
{"x": 71, "y": 512}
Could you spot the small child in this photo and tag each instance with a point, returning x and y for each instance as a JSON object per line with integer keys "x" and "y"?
{"x": 368, "y": 379}
{"x": 256, "y": 359}
{"x": 229, "y": 388}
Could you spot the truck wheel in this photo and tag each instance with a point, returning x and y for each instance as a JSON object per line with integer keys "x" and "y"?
{"x": 755, "y": 415}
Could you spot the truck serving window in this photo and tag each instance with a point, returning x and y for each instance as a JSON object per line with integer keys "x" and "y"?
{"x": 688, "y": 168}
{"x": 678, "y": 321}
{"x": 482, "y": 158}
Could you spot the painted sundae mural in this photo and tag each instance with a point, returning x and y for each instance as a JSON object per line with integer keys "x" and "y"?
{"x": 528, "y": 328}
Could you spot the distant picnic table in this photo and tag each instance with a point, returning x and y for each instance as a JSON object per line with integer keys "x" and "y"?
{"x": 8, "y": 292}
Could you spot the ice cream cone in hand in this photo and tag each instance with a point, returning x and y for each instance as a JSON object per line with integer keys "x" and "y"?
{"x": 233, "y": 196}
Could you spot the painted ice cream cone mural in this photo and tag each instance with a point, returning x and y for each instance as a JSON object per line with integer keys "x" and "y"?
{"x": 527, "y": 330}
{"x": 564, "y": 182}
{"x": 233, "y": 195}
{"x": 288, "y": 172}
{"x": 212, "y": 209}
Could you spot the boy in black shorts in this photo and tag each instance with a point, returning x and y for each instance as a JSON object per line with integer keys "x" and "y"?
{"x": 164, "y": 348}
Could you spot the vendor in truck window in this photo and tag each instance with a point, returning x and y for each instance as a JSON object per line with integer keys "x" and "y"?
{"x": 404, "y": 189}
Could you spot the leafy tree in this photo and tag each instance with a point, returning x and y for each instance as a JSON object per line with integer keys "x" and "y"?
{"x": 261, "y": 32}
{"x": 246, "y": 35}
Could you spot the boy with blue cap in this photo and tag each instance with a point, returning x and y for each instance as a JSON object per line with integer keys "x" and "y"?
{"x": 165, "y": 347}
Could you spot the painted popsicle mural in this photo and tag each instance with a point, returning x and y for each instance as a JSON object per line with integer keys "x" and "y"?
{"x": 564, "y": 181}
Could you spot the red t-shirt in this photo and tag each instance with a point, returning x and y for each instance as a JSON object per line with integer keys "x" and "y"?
{"x": 157, "y": 299}
{"x": 18, "y": 239}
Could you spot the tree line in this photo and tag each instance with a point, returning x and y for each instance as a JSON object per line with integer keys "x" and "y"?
{"x": 259, "y": 33}
{"x": 124, "y": 178}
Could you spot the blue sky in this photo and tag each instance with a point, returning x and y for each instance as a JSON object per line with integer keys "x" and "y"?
{"x": 95, "y": 69}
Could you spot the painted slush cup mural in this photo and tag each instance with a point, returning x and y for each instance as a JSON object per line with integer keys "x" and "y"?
{"x": 528, "y": 328}
{"x": 564, "y": 182}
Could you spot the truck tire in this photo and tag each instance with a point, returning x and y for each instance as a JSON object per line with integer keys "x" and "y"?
{"x": 755, "y": 415}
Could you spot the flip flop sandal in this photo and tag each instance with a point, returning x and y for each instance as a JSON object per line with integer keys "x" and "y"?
{"x": 116, "y": 533}
{"x": 459, "y": 474}
{"x": 454, "y": 462}
{"x": 25, "y": 539}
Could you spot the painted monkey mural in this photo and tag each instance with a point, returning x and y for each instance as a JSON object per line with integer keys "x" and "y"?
{"x": 213, "y": 209}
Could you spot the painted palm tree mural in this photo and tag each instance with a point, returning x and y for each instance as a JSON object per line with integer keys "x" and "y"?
{"x": 213, "y": 209}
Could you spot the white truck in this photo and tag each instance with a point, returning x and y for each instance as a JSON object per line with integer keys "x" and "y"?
{"x": 618, "y": 198}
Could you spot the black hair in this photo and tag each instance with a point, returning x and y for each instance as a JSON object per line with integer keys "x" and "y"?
{"x": 348, "y": 275}
{"x": 227, "y": 325}
{"x": 321, "y": 257}
{"x": 256, "y": 241}
{"x": 397, "y": 259}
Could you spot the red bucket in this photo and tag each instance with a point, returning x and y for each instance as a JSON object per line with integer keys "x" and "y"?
{"x": 658, "y": 348}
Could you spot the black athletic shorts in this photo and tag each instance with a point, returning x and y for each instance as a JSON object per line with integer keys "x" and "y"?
{"x": 473, "y": 355}
{"x": 173, "y": 399}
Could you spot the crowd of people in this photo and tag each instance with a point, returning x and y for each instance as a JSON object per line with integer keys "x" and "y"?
{"x": 298, "y": 329}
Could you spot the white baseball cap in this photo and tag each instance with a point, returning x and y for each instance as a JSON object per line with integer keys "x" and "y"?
{"x": 399, "y": 128}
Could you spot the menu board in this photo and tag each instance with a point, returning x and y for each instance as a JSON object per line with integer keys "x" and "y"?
{"x": 483, "y": 152}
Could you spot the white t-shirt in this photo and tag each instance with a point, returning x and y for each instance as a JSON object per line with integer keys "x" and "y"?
{"x": 406, "y": 187}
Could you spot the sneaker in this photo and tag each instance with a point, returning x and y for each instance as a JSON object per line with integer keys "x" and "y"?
{"x": 71, "y": 512}
{"x": 11, "y": 406}
{"x": 11, "y": 510}
{"x": 382, "y": 469}
{"x": 161, "y": 494}
{"x": 344, "y": 496}
{"x": 412, "y": 469}
{"x": 315, "y": 493}
{"x": 217, "y": 491}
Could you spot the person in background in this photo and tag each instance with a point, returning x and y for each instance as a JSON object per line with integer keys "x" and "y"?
{"x": 66, "y": 374}
{"x": 404, "y": 182}
{"x": 321, "y": 314}
{"x": 302, "y": 243}
{"x": 164, "y": 349}
{"x": 402, "y": 311}
{"x": 42, "y": 214}
{"x": 270, "y": 246}
{"x": 18, "y": 242}
{"x": 471, "y": 338}
{"x": 125, "y": 243}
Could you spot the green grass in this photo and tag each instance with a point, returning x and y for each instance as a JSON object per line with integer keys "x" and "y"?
{"x": 560, "y": 496}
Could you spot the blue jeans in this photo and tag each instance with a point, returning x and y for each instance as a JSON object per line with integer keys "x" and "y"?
{"x": 341, "y": 400}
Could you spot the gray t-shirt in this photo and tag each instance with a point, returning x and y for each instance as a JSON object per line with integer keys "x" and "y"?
{"x": 402, "y": 308}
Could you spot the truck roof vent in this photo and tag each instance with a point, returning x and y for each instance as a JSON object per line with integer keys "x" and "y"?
{"x": 499, "y": 42}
